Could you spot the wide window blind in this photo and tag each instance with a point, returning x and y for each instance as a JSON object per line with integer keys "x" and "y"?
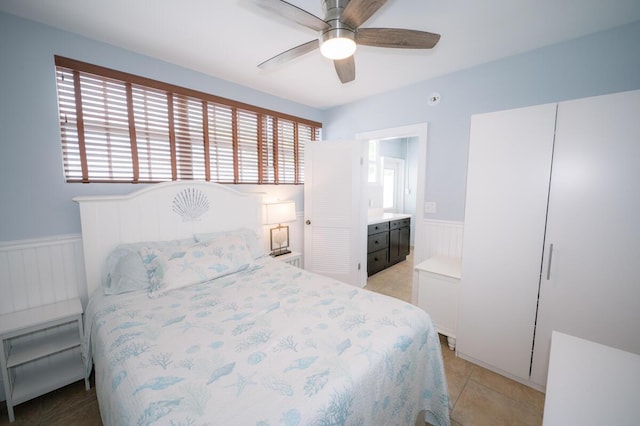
{"x": 118, "y": 127}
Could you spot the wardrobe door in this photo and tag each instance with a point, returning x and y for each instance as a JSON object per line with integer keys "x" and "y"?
{"x": 592, "y": 289}
{"x": 507, "y": 189}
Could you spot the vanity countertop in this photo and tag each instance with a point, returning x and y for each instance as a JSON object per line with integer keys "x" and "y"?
{"x": 386, "y": 217}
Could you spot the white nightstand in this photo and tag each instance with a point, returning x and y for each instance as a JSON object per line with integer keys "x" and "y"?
{"x": 41, "y": 350}
{"x": 293, "y": 259}
{"x": 438, "y": 292}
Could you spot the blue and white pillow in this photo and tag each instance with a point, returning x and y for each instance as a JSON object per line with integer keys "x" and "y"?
{"x": 254, "y": 242}
{"x": 176, "y": 267}
{"x": 125, "y": 271}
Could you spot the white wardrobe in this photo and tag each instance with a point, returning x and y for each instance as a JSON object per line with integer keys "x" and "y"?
{"x": 552, "y": 232}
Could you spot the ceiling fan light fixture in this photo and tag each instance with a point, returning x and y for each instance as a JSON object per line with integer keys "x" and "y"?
{"x": 337, "y": 31}
{"x": 337, "y": 43}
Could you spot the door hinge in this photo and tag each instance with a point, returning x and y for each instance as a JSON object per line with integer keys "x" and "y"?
{"x": 359, "y": 266}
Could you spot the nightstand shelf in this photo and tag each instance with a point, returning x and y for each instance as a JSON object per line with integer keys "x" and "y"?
{"x": 41, "y": 350}
{"x": 22, "y": 353}
{"x": 47, "y": 377}
{"x": 293, "y": 259}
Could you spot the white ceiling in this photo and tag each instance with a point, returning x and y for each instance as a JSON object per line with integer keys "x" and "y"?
{"x": 228, "y": 38}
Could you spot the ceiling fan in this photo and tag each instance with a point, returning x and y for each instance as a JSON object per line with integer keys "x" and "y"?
{"x": 340, "y": 32}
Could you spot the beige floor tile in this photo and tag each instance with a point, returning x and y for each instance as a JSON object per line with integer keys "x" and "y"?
{"x": 511, "y": 388}
{"x": 479, "y": 405}
{"x": 395, "y": 281}
{"x": 457, "y": 370}
{"x": 457, "y": 379}
{"x": 456, "y": 384}
{"x": 478, "y": 396}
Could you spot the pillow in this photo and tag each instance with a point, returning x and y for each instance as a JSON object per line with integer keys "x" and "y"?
{"x": 125, "y": 271}
{"x": 176, "y": 267}
{"x": 251, "y": 238}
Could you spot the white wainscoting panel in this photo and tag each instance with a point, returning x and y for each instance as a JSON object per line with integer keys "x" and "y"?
{"x": 437, "y": 238}
{"x": 41, "y": 271}
{"x": 442, "y": 238}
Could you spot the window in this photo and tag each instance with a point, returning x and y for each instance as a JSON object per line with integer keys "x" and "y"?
{"x": 389, "y": 187}
{"x": 118, "y": 127}
{"x": 393, "y": 184}
{"x": 373, "y": 162}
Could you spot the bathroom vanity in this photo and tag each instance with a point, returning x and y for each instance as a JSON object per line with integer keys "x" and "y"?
{"x": 388, "y": 240}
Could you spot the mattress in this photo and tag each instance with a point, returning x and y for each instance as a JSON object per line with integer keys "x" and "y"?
{"x": 270, "y": 345}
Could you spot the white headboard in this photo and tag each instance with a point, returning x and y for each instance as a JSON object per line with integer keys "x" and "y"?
{"x": 163, "y": 211}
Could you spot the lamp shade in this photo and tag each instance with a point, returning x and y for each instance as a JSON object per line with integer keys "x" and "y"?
{"x": 338, "y": 48}
{"x": 277, "y": 213}
{"x": 337, "y": 43}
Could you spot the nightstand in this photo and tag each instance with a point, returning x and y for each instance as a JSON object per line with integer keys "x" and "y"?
{"x": 293, "y": 259}
{"x": 41, "y": 350}
{"x": 438, "y": 293}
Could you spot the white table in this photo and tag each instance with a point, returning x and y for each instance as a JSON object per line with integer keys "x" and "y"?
{"x": 438, "y": 293}
{"x": 41, "y": 350}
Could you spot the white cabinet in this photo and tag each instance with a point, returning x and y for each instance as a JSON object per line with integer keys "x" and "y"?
{"x": 506, "y": 206}
{"x": 590, "y": 286}
{"x": 591, "y": 384}
{"x": 40, "y": 350}
{"x": 551, "y": 237}
{"x": 438, "y": 292}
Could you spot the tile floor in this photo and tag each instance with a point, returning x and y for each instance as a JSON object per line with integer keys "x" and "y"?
{"x": 479, "y": 396}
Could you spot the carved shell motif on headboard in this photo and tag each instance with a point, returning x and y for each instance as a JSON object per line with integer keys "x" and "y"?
{"x": 190, "y": 204}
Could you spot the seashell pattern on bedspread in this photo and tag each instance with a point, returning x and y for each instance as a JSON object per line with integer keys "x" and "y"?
{"x": 269, "y": 346}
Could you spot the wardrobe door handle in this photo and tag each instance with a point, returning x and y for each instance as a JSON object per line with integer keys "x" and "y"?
{"x": 549, "y": 263}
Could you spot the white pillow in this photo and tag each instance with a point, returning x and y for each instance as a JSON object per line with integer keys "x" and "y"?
{"x": 125, "y": 271}
{"x": 251, "y": 238}
{"x": 175, "y": 267}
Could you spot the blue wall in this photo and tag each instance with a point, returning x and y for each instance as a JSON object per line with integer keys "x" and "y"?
{"x": 36, "y": 200}
{"x": 593, "y": 65}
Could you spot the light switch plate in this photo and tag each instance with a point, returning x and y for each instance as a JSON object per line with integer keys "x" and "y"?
{"x": 430, "y": 207}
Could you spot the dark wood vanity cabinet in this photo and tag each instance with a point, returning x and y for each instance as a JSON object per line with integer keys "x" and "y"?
{"x": 387, "y": 244}
{"x": 377, "y": 247}
{"x": 399, "y": 240}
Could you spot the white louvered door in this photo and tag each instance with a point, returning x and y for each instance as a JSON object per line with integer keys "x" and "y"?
{"x": 335, "y": 211}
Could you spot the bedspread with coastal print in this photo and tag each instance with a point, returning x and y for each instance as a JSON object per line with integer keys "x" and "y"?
{"x": 272, "y": 345}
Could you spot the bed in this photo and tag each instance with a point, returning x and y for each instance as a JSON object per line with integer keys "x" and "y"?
{"x": 222, "y": 334}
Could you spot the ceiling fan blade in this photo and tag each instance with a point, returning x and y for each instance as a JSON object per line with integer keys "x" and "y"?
{"x": 290, "y": 54}
{"x": 398, "y": 38}
{"x": 358, "y": 11}
{"x": 293, "y": 13}
{"x": 346, "y": 69}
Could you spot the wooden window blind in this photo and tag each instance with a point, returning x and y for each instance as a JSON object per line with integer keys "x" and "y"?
{"x": 118, "y": 127}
